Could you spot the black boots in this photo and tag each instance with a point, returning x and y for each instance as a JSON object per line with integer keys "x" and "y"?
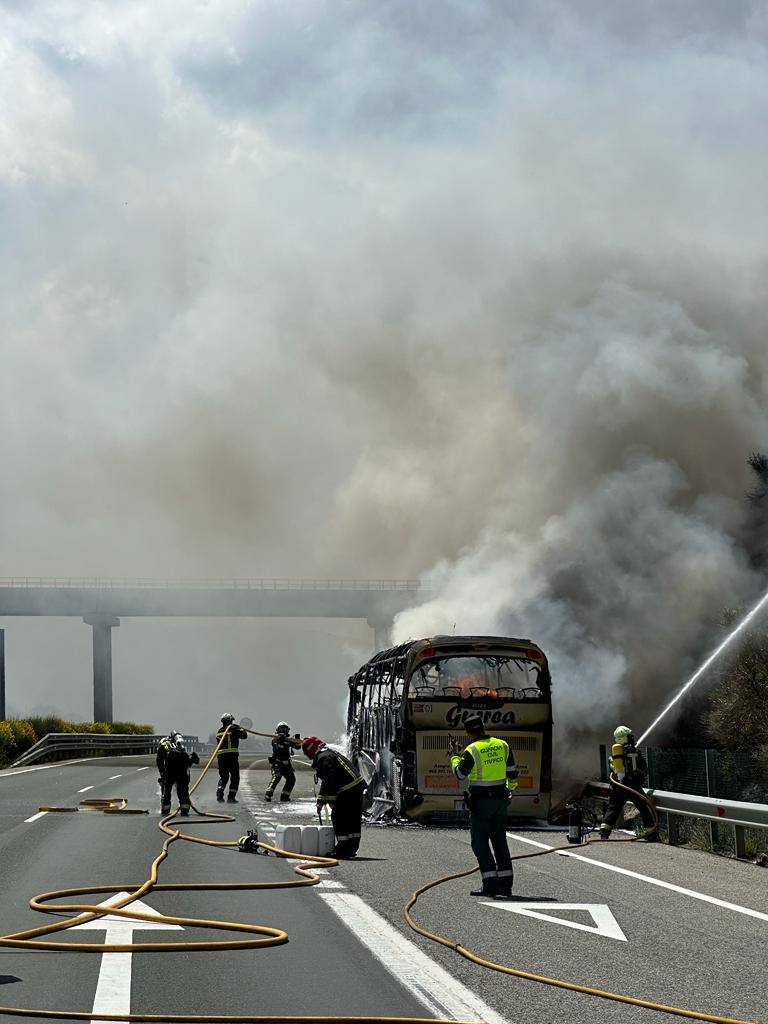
{"x": 231, "y": 799}
{"x": 220, "y": 795}
{"x": 285, "y": 798}
{"x": 268, "y": 797}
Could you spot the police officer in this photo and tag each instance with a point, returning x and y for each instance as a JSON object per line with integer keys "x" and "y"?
{"x": 489, "y": 765}
{"x": 343, "y": 789}
{"x": 229, "y": 758}
{"x": 173, "y": 764}
{"x": 282, "y": 746}
{"x": 629, "y": 768}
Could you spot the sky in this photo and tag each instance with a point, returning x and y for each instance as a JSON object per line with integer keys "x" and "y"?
{"x": 351, "y": 289}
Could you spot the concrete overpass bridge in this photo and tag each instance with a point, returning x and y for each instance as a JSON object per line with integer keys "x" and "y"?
{"x": 101, "y": 603}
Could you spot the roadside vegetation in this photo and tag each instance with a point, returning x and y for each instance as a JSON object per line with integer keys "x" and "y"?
{"x": 19, "y": 734}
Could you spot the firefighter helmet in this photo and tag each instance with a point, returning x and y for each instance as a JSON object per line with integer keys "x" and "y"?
{"x": 311, "y": 746}
{"x": 282, "y": 728}
{"x": 226, "y": 719}
{"x": 623, "y": 734}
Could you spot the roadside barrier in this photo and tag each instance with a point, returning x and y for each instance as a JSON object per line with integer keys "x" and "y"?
{"x": 258, "y": 935}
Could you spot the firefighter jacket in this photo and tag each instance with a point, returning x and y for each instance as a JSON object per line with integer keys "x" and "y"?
{"x": 282, "y": 747}
{"x": 231, "y": 744}
{"x": 335, "y": 774}
{"x": 174, "y": 761}
{"x": 488, "y": 763}
{"x": 628, "y": 764}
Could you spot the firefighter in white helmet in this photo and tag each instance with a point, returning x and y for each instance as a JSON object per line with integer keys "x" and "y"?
{"x": 628, "y": 767}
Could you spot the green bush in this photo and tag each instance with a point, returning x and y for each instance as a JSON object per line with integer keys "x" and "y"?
{"x": 23, "y": 734}
{"x": 48, "y": 723}
{"x": 7, "y": 742}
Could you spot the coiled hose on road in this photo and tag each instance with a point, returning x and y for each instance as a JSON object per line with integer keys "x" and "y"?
{"x": 258, "y": 935}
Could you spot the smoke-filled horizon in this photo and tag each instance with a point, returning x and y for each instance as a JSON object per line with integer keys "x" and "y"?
{"x": 470, "y": 291}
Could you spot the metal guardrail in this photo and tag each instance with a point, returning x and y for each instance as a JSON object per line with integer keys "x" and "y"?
{"x": 737, "y": 813}
{"x": 128, "y": 583}
{"x": 55, "y": 746}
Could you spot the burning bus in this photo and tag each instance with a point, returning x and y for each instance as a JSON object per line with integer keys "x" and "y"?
{"x": 406, "y": 703}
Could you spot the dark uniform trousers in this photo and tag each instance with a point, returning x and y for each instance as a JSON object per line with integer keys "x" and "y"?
{"x": 229, "y": 772}
{"x": 488, "y": 832}
{"x": 181, "y": 781}
{"x": 618, "y": 797}
{"x": 282, "y": 770}
{"x": 347, "y": 819}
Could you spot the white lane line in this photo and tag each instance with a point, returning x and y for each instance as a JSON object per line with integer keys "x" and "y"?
{"x": 328, "y": 883}
{"x": 434, "y": 987}
{"x": 111, "y": 777}
{"x": 649, "y": 879}
{"x": 85, "y": 789}
{"x": 9, "y": 773}
{"x": 142, "y": 769}
{"x": 34, "y": 817}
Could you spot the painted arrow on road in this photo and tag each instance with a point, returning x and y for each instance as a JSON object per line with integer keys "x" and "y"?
{"x": 605, "y": 923}
{"x": 113, "y": 991}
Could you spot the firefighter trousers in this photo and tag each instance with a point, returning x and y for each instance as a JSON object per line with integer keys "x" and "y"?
{"x": 229, "y": 772}
{"x": 347, "y": 820}
{"x": 282, "y": 770}
{"x": 488, "y": 831}
{"x": 181, "y": 782}
{"x": 619, "y": 797}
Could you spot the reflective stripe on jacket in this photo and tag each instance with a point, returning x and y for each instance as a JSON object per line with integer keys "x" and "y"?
{"x": 335, "y": 773}
{"x": 231, "y": 744}
{"x": 486, "y": 762}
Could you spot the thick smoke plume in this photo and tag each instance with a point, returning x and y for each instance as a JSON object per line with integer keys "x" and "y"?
{"x": 476, "y": 291}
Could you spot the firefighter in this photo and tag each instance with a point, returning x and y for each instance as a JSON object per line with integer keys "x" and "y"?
{"x": 343, "y": 789}
{"x": 282, "y": 746}
{"x": 173, "y": 764}
{"x": 229, "y": 758}
{"x": 489, "y": 765}
{"x": 629, "y": 768}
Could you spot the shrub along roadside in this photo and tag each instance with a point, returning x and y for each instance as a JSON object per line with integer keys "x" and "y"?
{"x": 18, "y": 735}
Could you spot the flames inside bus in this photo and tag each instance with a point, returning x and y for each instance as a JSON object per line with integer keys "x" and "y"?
{"x": 406, "y": 703}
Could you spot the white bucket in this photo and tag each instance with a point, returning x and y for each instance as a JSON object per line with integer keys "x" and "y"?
{"x": 309, "y": 840}
{"x": 288, "y": 837}
{"x": 326, "y": 840}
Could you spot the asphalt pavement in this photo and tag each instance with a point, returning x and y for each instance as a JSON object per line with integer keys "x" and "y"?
{"x": 659, "y": 923}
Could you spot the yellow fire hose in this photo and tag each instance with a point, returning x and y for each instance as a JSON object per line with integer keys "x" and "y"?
{"x": 259, "y": 935}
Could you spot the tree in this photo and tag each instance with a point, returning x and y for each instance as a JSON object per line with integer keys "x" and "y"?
{"x": 738, "y": 706}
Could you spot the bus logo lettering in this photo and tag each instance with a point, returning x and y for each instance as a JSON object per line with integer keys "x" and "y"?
{"x": 456, "y": 717}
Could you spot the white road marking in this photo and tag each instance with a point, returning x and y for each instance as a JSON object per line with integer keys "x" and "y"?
{"x": 34, "y": 817}
{"x": 143, "y": 769}
{"x": 329, "y": 883}
{"x": 649, "y": 879}
{"x": 111, "y": 777}
{"x": 433, "y": 986}
{"x": 9, "y": 773}
{"x": 113, "y": 991}
{"x": 85, "y": 789}
{"x": 605, "y": 923}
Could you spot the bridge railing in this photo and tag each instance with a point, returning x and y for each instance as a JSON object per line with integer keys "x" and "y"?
{"x": 739, "y": 814}
{"x": 58, "y": 746}
{"x": 147, "y": 583}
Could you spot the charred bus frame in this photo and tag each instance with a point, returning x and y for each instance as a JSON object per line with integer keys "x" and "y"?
{"x": 399, "y": 724}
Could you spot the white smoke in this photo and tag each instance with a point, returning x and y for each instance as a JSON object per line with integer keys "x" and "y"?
{"x": 350, "y": 290}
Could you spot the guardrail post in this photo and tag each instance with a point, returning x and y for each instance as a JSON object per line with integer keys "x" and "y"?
{"x": 740, "y": 840}
{"x": 709, "y": 767}
{"x": 673, "y": 830}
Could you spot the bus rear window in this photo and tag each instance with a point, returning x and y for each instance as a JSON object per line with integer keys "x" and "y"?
{"x": 484, "y": 676}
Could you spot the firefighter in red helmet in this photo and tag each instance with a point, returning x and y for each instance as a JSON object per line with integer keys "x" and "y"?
{"x": 341, "y": 787}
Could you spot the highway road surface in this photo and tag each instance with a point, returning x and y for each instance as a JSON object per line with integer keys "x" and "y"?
{"x": 663, "y": 924}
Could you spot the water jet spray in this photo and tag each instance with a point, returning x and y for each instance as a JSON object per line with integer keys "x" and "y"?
{"x": 705, "y": 665}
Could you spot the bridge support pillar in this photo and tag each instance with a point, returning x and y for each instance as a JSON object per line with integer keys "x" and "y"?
{"x": 102, "y": 664}
{"x": 382, "y": 629}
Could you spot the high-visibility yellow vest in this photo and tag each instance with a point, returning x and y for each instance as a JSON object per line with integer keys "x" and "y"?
{"x": 490, "y": 762}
